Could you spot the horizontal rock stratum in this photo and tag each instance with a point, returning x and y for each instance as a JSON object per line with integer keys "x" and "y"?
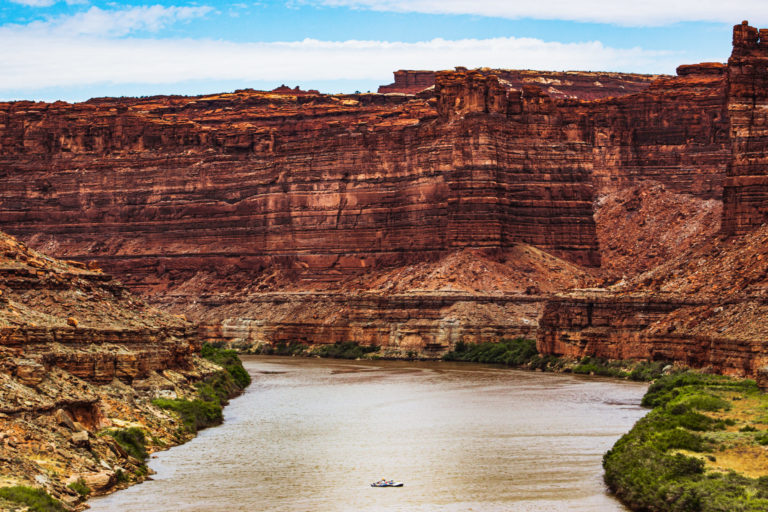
{"x": 81, "y": 357}
{"x": 271, "y": 216}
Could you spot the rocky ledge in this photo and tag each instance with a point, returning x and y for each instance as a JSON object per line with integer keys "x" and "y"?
{"x": 82, "y": 364}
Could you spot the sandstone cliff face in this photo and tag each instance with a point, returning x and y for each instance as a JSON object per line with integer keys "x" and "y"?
{"x": 427, "y": 307}
{"x": 78, "y": 354}
{"x": 706, "y": 306}
{"x": 585, "y": 85}
{"x": 746, "y": 189}
{"x": 409, "y": 82}
{"x": 288, "y": 191}
{"x": 66, "y": 316}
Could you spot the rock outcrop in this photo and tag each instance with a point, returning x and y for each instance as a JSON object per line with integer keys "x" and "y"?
{"x": 79, "y": 356}
{"x": 409, "y": 82}
{"x": 745, "y": 198}
{"x": 706, "y": 306}
{"x": 585, "y": 85}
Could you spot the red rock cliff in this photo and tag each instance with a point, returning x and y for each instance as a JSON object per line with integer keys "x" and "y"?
{"x": 705, "y": 307}
{"x": 745, "y": 198}
{"x": 267, "y": 192}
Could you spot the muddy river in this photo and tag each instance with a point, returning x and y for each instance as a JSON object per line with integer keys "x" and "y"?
{"x": 311, "y": 435}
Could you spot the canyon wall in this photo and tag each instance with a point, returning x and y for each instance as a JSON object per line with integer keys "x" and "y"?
{"x": 80, "y": 358}
{"x": 585, "y": 85}
{"x": 745, "y": 198}
{"x": 201, "y": 203}
{"x": 705, "y": 307}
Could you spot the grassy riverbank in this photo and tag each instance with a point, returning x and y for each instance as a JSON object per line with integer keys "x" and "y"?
{"x": 703, "y": 447}
{"x": 213, "y": 393}
{"x": 102, "y": 461}
{"x": 521, "y": 353}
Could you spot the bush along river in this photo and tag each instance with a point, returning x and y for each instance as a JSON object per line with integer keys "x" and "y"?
{"x": 313, "y": 434}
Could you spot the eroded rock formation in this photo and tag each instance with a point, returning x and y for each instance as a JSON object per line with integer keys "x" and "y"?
{"x": 78, "y": 355}
{"x": 746, "y": 190}
{"x": 585, "y": 85}
{"x": 705, "y": 307}
{"x": 271, "y": 215}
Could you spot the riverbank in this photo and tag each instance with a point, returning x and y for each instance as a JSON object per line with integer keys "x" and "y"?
{"x": 703, "y": 447}
{"x": 54, "y": 459}
{"x": 518, "y": 353}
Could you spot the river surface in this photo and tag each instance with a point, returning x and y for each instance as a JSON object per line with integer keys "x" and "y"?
{"x": 311, "y": 435}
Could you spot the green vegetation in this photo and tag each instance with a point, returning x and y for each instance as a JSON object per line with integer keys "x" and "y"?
{"x": 228, "y": 360}
{"x": 80, "y": 488}
{"x": 212, "y": 393}
{"x": 668, "y": 461}
{"x": 522, "y": 352}
{"x": 338, "y": 350}
{"x": 36, "y": 500}
{"x": 516, "y": 352}
{"x": 194, "y": 414}
{"x": 346, "y": 350}
{"x": 132, "y": 440}
{"x": 639, "y": 371}
{"x": 281, "y": 348}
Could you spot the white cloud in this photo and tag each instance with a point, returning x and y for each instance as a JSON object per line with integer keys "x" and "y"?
{"x": 35, "y": 3}
{"x": 56, "y": 60}
{"x": 101, "y": 22}
{"x": 46, "y": 3}
{"x": 622, "y": 12}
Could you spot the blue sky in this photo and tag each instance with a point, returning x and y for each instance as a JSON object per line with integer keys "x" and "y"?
{"x": 77, "y": 49}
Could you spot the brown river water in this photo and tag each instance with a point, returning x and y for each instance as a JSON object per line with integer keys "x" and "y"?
{"x": 312, "y": 434}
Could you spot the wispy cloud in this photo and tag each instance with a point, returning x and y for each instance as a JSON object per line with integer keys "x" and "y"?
{"x": 641, "y": 13}
{"x": 59, "y": 61}
{"x": 102, "y": 46}
{"x": 34, "y": 3}
{"x": 103, "y": 22}
{"x": 47, "y": 3}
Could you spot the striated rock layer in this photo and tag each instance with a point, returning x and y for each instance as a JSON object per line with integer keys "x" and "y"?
{"x": 218, "y": 206}
{"x": 78, "y": 355}
{"x": 745, "y": 196}
{"x": 585, "y": 85}
{"x": 707, "y": 306}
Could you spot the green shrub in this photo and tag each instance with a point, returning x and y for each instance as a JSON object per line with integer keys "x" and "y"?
{"x": 646, "y": 371}
{"x": 132, "y": 440}
{"x": 194, "y": 414}
{"x": 230, "y": 361}
{"x": 345, "y": 350}
{"x": 80, "y": 488}
{"x": 37, "y": 500}
{"x": 516, "y": 352}
{"x": 601, "y": 368}
{"x": 680, "y": 439}
{"x": 707, "y": 402}
{"x": 282, "y": 348}
{"x": 668, "y": 387}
